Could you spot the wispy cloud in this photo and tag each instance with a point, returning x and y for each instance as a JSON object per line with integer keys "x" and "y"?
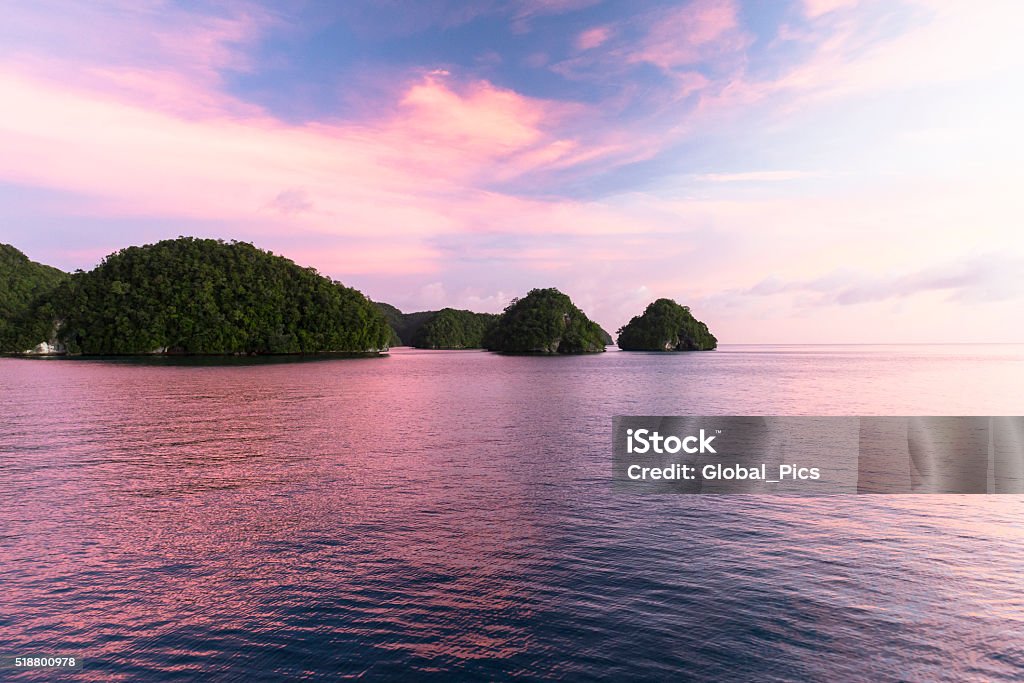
{"x": 692, "y": 33}
{"x": 816, "y": 8}
{"x": 593, "y": 38}
{"x": 754, "y": 176}
{"x": 984, "y": 278}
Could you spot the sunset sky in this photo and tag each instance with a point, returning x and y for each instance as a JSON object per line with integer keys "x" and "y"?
{"x": 814, "y": 171}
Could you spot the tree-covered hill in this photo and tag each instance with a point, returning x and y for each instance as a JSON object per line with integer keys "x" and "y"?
{"x": 404, "y": 325}
{"x": 448, "y": 328}
{"x": 544, "y": 321}
{"x": 666, "y": 326}
{"x": 22, "y": 284}
{"x": 201, "y": 296}
{"x": 394, "y": 318}
{"x": 454, "y": 329}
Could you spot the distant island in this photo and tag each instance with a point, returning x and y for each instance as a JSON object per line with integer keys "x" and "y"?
{"x": 666, "y": 326}
{"x": 545, "y": 321}
{"x": 195, "y": 296}
{"x": 448, "y": 328}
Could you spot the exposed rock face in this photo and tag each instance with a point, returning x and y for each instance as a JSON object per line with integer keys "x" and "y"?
{"x": 666, "y": 326}
{"x": 46, "y": 348}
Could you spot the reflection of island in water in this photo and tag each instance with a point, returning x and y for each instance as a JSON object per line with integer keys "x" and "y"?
{"x": 941, "y": 455}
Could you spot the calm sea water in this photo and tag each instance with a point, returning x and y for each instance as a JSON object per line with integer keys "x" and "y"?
{"x": 450, "y": 513}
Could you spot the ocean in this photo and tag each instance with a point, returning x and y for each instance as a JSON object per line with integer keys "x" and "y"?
{"x": 451, "y": 515}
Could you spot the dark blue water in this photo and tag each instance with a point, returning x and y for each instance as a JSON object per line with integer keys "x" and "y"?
{"x": 450, "y": 514}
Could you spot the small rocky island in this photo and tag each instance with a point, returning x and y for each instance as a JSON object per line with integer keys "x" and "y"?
{"x": 545, "y": 321}
{"x": 666, "y": 326}
{"x": 196, "y": 296}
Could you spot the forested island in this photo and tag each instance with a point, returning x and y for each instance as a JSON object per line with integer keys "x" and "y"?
{"x": 454, "y": 329}
{"x": 199, "y": 296}
{"x": 545, "y": 321}
{"x": 448, "y": 328}
{"x": 666, "y": 326}
{"x": 209, "y": 297}
{"x": 22, "y": 284}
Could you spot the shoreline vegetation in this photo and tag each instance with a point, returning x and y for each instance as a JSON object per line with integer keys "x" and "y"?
{"x": 206, "y": 297}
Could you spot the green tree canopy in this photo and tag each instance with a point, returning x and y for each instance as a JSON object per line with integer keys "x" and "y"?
{"x": 666, "y": 326}
{"x": 404, "y": 326}
{"x": 544, "y": 321}
{"x": 23, "y": 284}
{"x": 209, "y": 296}
{"x": 394, "y": 318}
{"x": 454, "y": 329}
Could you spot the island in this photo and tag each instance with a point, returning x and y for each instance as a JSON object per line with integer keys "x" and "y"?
{"x": 448, "y": 328}
{"x": 666, "y": 326}
{"x": 23, "y": 284}
{"x": 393, "y": 316}
{"x": 197, "y": 296}
{"x": 454, "y": 329}
{"x": 546, "y": 322}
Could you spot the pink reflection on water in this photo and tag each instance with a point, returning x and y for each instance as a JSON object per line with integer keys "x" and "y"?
{"x": 431, "y": 509}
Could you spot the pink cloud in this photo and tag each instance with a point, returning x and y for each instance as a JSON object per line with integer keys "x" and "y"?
{"x": 433, "y": 126}
{"x": 691, "y": 82}
{"x": 410, "y": 175}
{"x": 592, "y": 38}
{"x": 952, "y": 43}
{"x": 142, "y": 35}
{"x": 816, "y": 8}
{"x": 484, "y": 116}
{"x": 692, "y": 33}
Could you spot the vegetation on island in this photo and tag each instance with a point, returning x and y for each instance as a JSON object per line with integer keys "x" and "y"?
{"x": 454, "y": 329}
{"x": 393, "y": 316}
{"x": 545, "y": 321}
{"x": 404, "y": 326}
{"x": 203, "y": 296}
{"x": 448, "y": 328}
{"x": 666, "y": 326}
{"x": 23, "y": 285}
